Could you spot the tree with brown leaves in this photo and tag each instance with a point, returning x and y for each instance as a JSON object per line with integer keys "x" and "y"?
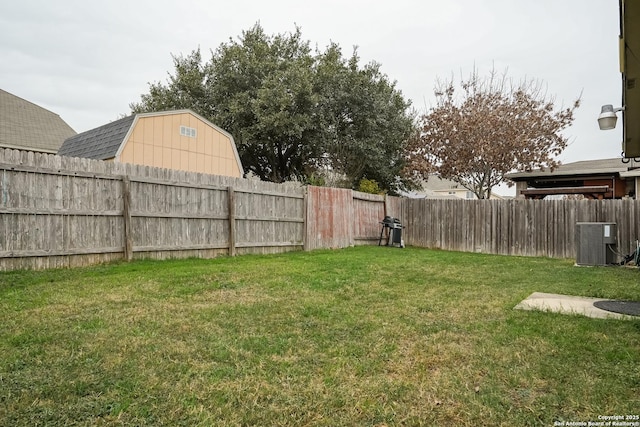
{"x": 494, "y": 127}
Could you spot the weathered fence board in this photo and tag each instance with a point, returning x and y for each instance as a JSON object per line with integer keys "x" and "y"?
{"x": 50, "y": 216}
{"x": 64, "y": 212}
{"x": 368, "y": 211}
{"x": 514, "y": 227}
{"x": 60, "y": 212}
{"x": 338, "y": 217}
{"x": 329, "y": 218}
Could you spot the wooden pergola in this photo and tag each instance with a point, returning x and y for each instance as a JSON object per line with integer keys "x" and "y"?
{"x": 598, "y": 192}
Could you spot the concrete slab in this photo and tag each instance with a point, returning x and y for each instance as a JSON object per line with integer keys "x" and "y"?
{"x": 568, "y": 305}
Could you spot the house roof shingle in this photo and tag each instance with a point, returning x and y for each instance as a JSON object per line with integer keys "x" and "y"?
{"x": 584, "y": 167}
{"x": 100, "y": 143}
{"x": 27, "y": 126}
{"x": 436, "y": 187}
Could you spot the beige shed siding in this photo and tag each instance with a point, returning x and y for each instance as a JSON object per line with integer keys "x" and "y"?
{"x": 156, "y": 141}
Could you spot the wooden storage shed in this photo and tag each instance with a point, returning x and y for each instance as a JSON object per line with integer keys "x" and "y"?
{"x": 181, "y": 140}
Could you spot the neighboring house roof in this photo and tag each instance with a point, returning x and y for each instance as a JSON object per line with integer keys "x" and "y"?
{"x": 436, "y": 183}
{"x": 436, "y": 187}
{"x": 603, "y": 178}
{"x": 430, "y": 189}
{"x": 428, "y": 194}
{"x": 27, "y": 126}
{"x": 584, "y": 167}
{"x": 100, "y": 143}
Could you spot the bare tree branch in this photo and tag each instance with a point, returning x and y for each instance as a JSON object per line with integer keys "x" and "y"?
{"x": 483, "y": 129}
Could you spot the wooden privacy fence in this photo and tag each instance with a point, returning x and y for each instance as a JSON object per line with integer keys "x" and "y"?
{"x": 61, "y": 212}
{"x": 58, "y": 211}
{"x": 338, "y": 217}
{"x": 514, "y": 227}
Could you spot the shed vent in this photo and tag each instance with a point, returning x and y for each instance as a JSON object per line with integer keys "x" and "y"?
{"x": 187, "y": 131}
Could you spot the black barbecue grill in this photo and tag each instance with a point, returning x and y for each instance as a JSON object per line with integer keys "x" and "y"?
{"x": 394, "y": 231}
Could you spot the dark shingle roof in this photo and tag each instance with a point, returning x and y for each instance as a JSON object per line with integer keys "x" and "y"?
{"x": 584, "y": 167}
{"x": 27, "y": 126}
{"x": 100, "y": 143}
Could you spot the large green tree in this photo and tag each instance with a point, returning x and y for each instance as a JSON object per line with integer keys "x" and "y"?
{"x": 262, "y": 89}
{"x": 367, "y": 121}
{"x": 293, "y": 112}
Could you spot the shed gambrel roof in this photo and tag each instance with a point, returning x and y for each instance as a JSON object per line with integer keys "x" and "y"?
{"x": 100, "y": 143}
{"x": 27, "y": 126}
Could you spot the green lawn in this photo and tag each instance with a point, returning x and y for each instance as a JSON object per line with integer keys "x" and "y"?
{"x": 362, "y": 336}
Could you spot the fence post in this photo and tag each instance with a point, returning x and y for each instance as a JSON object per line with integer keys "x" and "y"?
{"x": 352, "y": 219}
{"x": 386, "y": 205}
{"x": 126, "y": 214}
{"x": 232, "y": 221}
{"x": 305, "y": 218}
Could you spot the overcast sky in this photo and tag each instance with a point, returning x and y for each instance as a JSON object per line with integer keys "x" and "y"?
{"x": 88, "y": 60}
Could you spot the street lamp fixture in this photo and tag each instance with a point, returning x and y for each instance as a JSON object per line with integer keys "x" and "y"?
{"x": 608, "y": 118}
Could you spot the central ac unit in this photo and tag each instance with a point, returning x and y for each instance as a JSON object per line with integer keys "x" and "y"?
{"x": 596, "y": 243}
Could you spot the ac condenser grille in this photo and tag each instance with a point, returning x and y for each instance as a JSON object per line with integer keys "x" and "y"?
{"x": 596, "y": 243}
